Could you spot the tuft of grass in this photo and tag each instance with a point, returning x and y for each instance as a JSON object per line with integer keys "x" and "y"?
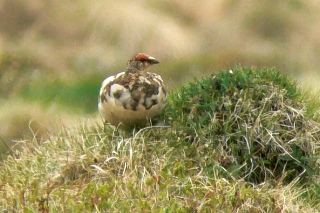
{"x": 235, "y": 142}
{"x": 254, "y": 120}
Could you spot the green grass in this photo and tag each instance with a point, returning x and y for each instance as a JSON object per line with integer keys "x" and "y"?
{"x": 251, "y": 117}
{"x": 82, "y": 91}
{"x": 232, "y": 142}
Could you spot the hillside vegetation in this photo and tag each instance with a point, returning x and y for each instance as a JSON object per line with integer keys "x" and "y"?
{"x": 244, "y": 140}
{"x": 55, "y": 54}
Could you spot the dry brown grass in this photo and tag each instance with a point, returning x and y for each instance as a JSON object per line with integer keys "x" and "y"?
{"x": 25, "y": 120}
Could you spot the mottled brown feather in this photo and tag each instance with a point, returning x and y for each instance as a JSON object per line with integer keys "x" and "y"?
{"x": 141, "y": 95}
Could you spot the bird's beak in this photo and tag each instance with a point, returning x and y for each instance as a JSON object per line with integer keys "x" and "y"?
{"x": 153, "y": 60}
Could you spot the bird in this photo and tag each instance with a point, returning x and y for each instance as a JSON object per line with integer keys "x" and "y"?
{"x": 131, "y": 98}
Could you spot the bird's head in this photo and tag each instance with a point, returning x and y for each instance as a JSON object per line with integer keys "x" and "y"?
{"x": 141, "y": 62}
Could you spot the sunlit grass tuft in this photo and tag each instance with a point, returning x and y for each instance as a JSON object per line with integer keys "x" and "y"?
{"x": 252, "y": 122}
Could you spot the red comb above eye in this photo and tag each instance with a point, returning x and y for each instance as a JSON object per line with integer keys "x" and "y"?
{"x": 141, "y": 56}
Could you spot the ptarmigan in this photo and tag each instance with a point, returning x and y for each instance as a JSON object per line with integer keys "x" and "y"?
{"x": 131, "y": 98}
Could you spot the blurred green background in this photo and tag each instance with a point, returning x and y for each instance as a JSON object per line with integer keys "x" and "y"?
{"x": 55, "y": 54}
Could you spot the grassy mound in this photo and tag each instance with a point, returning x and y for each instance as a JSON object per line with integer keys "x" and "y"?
{"x": 235, "y": 142}
{"x": 252, "y": 122}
